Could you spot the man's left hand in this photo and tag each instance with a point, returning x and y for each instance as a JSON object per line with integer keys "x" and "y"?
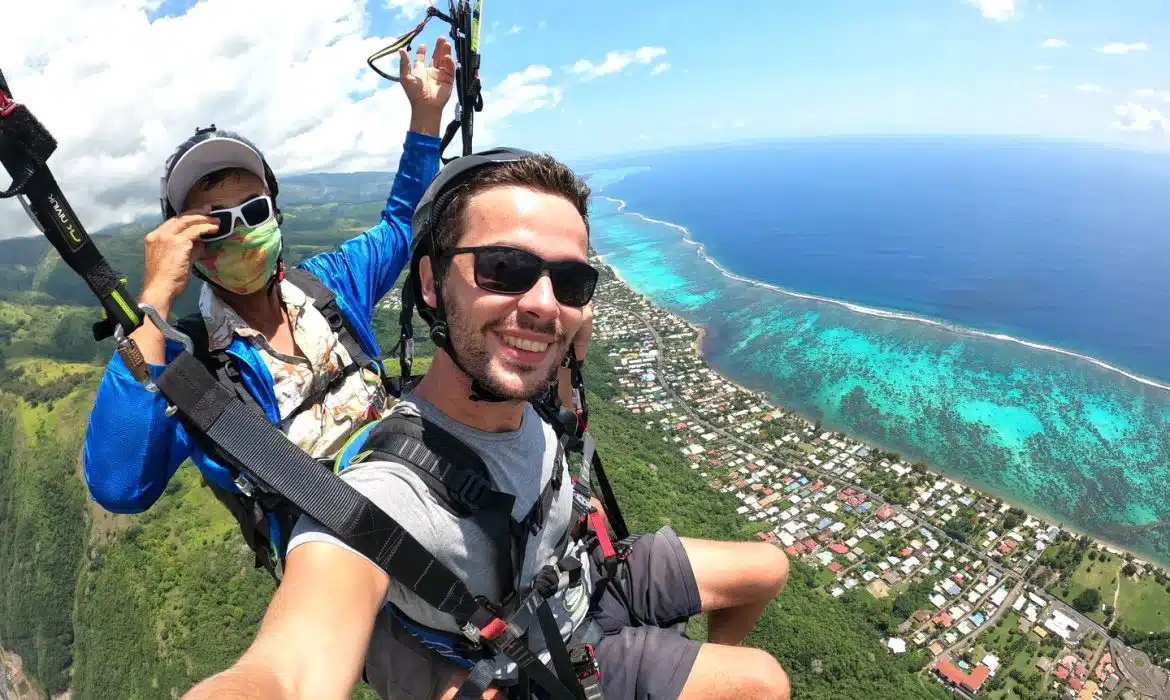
{"x": 427, "y": 87}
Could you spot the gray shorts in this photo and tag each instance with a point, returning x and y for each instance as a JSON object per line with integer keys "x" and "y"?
{"x": 638, "y": 656}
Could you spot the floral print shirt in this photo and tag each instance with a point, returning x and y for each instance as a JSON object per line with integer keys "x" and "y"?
{"x": 315, "y": 414}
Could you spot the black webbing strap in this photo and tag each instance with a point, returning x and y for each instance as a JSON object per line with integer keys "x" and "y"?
{"x": 244, "y": 439}
{"x": 613, "y": 512}
{"x": 557, "y": 650}
{"x": 477, "y": 682}
{"x": 325, "y": 301}
{"x": 25, "y": 146}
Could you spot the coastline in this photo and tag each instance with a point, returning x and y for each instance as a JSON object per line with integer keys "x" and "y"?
{"x": 957, "y": 329}
{"x": 701, "y": 333}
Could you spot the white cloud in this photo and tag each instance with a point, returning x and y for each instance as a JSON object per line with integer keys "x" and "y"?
{"x": 1123, "y": 48}
{"x": 514, "y": 29}
{"x": 1042, "y": 97}
{"x": 542, "y": 25}
{"x": 616, "y": 62}
{"x": 1089, "y": 87}
{"x": 408, "y": 9}
{"x": 1150, "y": 93}
{"x": 1055, "y": 43}
{"x": 739, "y": 123}
{"x": 660, "y": 68}
{"x": 120, "y": 101}
{"x": 1042, "y": 69}
{"x": 1135, "y": 117}
{"x": 522, "y": 92}
{"x": 998, "y": 10}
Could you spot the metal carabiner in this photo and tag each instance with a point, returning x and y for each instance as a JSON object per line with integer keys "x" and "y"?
{"x": 167, "y": 329}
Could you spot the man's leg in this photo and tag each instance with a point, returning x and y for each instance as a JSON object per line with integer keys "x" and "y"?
{"x": 733, "y": 673}
{"x": 641, "y": 658}
{"x": 736, "y": 581}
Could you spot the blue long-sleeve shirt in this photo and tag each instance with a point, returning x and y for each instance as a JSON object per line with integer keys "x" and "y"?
{"x": 132, "y": 449}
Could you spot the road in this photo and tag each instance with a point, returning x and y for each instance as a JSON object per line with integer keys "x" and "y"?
{"x": 1146, "y": 678}
{"x": 991, "y": 621}
{"x": 661, "y": 369}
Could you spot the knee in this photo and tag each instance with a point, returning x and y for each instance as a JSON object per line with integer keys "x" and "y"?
{"x": 765, "y": 678}
{"x": 773, "y": 569}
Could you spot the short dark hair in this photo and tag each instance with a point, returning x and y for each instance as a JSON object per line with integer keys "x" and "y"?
{"x": 542, "y": 173}
{"x": 219, "y": 176}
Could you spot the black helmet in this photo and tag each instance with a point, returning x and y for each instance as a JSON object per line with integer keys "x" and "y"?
{"x": 426, "y": 215}
{"x": 209, "y": 150}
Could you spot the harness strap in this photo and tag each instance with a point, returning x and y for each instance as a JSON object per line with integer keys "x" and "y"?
{"x": 245, "y": 440}
{"x": 25, "y": 145}
{"x": 326, "y": 302}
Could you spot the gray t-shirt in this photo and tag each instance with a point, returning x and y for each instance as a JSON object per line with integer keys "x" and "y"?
{"x": 520, "y": 463}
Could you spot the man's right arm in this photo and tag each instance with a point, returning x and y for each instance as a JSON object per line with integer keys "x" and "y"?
{"x": 132, "y": 449}
{"x": 313, "y": 639}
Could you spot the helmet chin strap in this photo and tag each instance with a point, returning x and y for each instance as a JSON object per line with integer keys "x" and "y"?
{"x": 441, "y": 337}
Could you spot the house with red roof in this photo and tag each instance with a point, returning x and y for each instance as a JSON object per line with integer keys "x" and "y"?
{"x": 885, "y": 513}
{"x": 943, "y": 618}
{"x": 1061, "y": 672}
{"x": 958, "y": 678}
{"x": 835, "y": 566}
{"x": 838, "y": 548}
{"x": 809, "y": 544}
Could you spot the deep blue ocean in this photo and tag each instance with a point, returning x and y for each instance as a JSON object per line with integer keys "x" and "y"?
{"x": 1058, "y": 243}
{"x": 813, "y": 264}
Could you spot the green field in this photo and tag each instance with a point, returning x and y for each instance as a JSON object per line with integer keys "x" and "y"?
{"x": 1144, "y": 605}
{"x": 1103, "y": 577}
{"x": 998, "y": 637}
{"x": 1023, "y": 662}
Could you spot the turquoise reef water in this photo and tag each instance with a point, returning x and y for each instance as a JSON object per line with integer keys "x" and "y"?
{"x": 1081, "y": 443}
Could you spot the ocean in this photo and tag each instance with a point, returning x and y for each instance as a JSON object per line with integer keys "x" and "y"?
{"x": 993, "y": 307}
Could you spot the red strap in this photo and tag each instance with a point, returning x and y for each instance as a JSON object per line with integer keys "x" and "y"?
{"x": 597, "y": 523}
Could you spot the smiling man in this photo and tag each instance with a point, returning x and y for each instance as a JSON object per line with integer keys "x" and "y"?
{"x": 500, "y": 266}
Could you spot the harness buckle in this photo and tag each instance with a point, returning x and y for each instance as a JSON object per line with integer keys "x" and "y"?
{"x": 244, "y": 485}
{"x": 7, "y": 104}
{"x": 584, "y": 661}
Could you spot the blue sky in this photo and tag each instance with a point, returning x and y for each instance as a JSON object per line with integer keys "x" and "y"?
{"x": 577, "y": 79}
{"x": 785, "y": 68}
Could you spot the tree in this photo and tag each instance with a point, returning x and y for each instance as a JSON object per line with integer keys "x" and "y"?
{"x": 1129, "y": 569}
{"x": 1014, "y": 517}
{"x": 1088, "y": 601}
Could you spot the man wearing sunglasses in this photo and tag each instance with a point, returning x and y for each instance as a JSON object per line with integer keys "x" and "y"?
{"x": 501, "y": 275}
{"x": 313, "y": 372}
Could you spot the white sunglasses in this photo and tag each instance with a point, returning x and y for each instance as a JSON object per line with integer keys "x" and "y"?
{"x": 253, "y": 212}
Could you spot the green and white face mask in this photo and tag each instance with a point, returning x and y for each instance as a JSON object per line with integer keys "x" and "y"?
{"x": 245, "y": 261}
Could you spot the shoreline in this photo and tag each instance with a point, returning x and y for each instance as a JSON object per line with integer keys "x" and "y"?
{"x": 955, "y": 328}
{"x": 701, "y": 334}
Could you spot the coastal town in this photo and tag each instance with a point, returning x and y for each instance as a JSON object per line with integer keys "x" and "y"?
{"x": 998, "y": 601}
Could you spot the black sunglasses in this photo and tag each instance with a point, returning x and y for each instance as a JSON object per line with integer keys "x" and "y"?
{"x": 506, "y": 270}
{"x": 253, "y": 212}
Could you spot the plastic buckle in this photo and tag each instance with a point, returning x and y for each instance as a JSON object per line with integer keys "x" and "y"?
{"x": 7, "y": 104}
{"x": 584, "y": 661}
